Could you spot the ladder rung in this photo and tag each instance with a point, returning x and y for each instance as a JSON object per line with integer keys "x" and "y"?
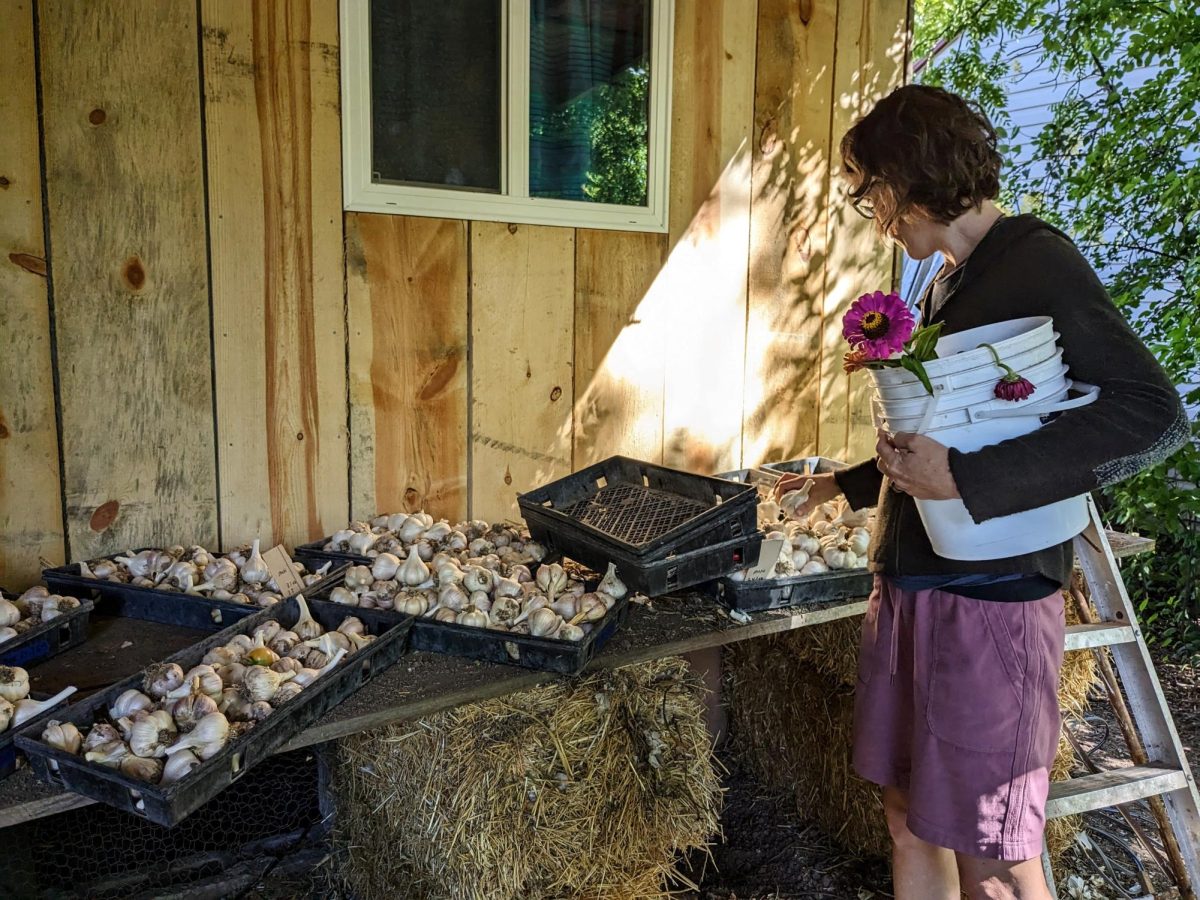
{"x": 1100, "y": 634}
{"x": 1078, "y": 795}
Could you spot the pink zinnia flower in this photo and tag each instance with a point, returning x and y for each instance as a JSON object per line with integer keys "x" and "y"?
{"x": 878, "y": 324}
{"x": 1013, "y": 387}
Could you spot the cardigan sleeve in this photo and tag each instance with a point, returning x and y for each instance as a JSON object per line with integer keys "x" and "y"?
{"x": 860, "y": 483}
{"x": 1137, "y": 421}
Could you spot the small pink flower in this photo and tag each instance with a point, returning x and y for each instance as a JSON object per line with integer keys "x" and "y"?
{"x": 853, "y": 361}
{"x": 878, "y": 324}
{"x": 1013, "y": 387}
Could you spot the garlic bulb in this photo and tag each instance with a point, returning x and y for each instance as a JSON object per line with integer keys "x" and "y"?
{"x": 359, "y": 578}
{"x": 286, "y": 692}
{"x": 305, "y": 677}
{"x": 63, "y": 736}
{"x": 189, "y": 710}
{"x": 452, "y": 597}
{"x": 241, "y": 644}
{"x": 306, "y": 627}
{"x": 284, "y": 642}
{"x": 268, "y": 630}
{"x": 162, "y": 678}
{"x": 791, "y": 502}
{"x": 287, "y": 664}
{"x": 151, "y": 736}
{"x": 520, "y": 573}
{"x": 6, "y": 714}
{"x": 221, "y": 573}
{"x": 340, "y": 595}
{"x": 261, "y": 684}
{"x": 544, "y": 623}
{"x": 473, "y": 617}
{"x": 838, "y": 556}
{"x": 259, "y": 710}
{"x": 178, "y": 765}
{"x": 109, "y": 755}
{"x": 24, "y": 710}
{"x": 456, "y": 541}
{"x": 352, "y": 625}
{"x": 142, "y": 768}
{"x": 385, "y": 566}
{"x": 100, "y": 733}
{"x": 411, "y": 529}
{"x": 534, "y": 603}
{"x": 815, "y": 566}
{"x": 592, "y": 608}
{"x": 611, "y": 584}
{"x": 566, "y": 606}
{"x": 221, "y": 656}
{"x": 234, "y": 704}
{"x": 254, "y": 569}
{"x": 231, "y": 674}
{"x": 413, "y": 570}
{"x": 14, "y": 683}
{"x": 551, "y": 579}
{"x": 207, "y": 738}
{"x": 443, "y": 614}
{"x": 7, "y": 633}
{"x": 9, "y": 614}
{"x": 201, "y": 679}
{"x": 860, "y": 541}
{"x": 570, "y": 632}
{"x": 504, "y": 611}
{"x": 361, "y": 542}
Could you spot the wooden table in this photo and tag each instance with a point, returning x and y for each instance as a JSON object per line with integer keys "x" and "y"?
{"x": 421, "y": 684}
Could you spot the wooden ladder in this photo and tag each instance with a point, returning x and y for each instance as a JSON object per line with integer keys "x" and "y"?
{"x": 1160, "y": 773}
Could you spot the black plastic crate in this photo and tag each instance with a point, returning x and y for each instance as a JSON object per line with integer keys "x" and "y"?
{"x": 171, "y": 804}
{"x": 775, "y": 593}
{"x": 639, "y": 509}
{"x": 166, "y": 607}
{"x": 8, "y": 749}
{"x": 49, "y": 638}
{"x": 545, "y": 654}
{"x": 314, "y": 555}
{"x": 661, "y": 576}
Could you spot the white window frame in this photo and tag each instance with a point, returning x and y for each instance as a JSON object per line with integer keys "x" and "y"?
{"x": 361, "y": 194}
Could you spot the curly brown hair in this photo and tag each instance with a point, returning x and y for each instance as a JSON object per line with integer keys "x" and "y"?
{"x": 927, "y": 148}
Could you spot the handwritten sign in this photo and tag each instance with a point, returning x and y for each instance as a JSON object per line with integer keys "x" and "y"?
{"x": 768, "y": 555}
{"x": 279, "y": 564}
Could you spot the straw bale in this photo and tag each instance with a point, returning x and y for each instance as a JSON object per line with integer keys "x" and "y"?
{"x": 791, "y": 711}
{"x": 586, "y": 788}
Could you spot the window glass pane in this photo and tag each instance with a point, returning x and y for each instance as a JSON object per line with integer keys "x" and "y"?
{"x": 589, "y": 103}
{"x": 435, "y": 92}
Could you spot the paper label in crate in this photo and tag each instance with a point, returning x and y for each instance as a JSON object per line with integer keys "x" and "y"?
{"x": 279, "y": 564}
{"x": 768, "y": 555}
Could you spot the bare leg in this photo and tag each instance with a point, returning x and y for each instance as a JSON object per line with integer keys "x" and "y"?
{"x": 994, "y": 879}
{"x": 920, "y": 871}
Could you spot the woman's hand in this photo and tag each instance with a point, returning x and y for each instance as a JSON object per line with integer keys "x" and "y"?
{"x": 824, "y": 489}
{"x": 917, "y": 465}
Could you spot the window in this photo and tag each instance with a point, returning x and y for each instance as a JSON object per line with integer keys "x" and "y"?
{"x": 544, "y": 111}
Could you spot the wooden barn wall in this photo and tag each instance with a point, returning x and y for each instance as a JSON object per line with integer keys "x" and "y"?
{"x": 197, "y": 345}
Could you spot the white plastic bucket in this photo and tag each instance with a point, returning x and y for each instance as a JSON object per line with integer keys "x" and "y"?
{"x": 952, "y": 532}
{"x": 961, "y": 352}
{"x": 987, "y": 373}
{"x": 1048, "y": 377}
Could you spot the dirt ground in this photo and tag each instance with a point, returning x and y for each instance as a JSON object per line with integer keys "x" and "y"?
{"x": 768, "y": 853}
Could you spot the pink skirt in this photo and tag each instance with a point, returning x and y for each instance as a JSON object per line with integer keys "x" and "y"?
{"x": 957, "y": 704}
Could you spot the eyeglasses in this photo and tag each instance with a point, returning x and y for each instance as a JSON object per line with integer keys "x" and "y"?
{"x": 864, "y": 206}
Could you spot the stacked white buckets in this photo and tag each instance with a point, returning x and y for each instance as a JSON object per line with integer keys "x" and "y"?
{"x": 964, "y": 413}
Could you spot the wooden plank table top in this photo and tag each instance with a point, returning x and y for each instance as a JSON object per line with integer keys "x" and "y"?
{"x": 422, "y": 684}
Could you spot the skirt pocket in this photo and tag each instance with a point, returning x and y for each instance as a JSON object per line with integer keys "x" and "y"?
{"x": 977, "y": 676}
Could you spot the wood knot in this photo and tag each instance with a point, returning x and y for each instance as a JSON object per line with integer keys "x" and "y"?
{"x": 97, "y": 116}
{"x": 512, "y": 228}
{"x": 412, "y": 498}
{"x": 4, "y": 432}
{"x": 133, "y": 274}
{"x": 804, "y": 8}
{"x": 29, "y": 263}
{"x": 299, "y": 435}
{"x": 507, "y": 475}
{"x": 4, "y": 182}
{"x": 555, "y": 394}
{"x": 769, "y": 139}
{"x": 105, "y": 515}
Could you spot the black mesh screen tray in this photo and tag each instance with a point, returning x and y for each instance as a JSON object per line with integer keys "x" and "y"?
{"x": 640, "y": 508}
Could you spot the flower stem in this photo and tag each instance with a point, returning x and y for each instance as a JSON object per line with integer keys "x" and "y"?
{"x": 1009, "y": 373}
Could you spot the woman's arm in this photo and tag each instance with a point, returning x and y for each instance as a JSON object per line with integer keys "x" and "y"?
{"x": 861, "y": 483}
{"x": 1137, "y": 421}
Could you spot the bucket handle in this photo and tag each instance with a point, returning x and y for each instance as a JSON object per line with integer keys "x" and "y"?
{"x": 944, "y": 384}
{"x": 1090, "y": 394}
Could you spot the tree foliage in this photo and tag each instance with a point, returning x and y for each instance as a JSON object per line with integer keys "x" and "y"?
{"x": 1117, "y": 168}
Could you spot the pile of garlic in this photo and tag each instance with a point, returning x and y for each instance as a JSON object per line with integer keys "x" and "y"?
{"x": 398, "y": 533}
{"x": 483, "y": 592}
{"x": 833, "y": 537}
{"x": 179, "y": 719}
{"x": 237, "y": 577}
{"x": 16, "y": 706}
{"x": 32, "y": 608}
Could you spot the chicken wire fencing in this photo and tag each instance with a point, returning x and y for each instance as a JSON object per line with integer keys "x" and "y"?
{"x": 270, "y": 825}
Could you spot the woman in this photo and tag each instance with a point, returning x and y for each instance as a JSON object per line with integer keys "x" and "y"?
{"x": 956, "y": 712}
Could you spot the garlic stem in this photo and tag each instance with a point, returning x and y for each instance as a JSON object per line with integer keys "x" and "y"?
{"x": 27, "y": 709}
